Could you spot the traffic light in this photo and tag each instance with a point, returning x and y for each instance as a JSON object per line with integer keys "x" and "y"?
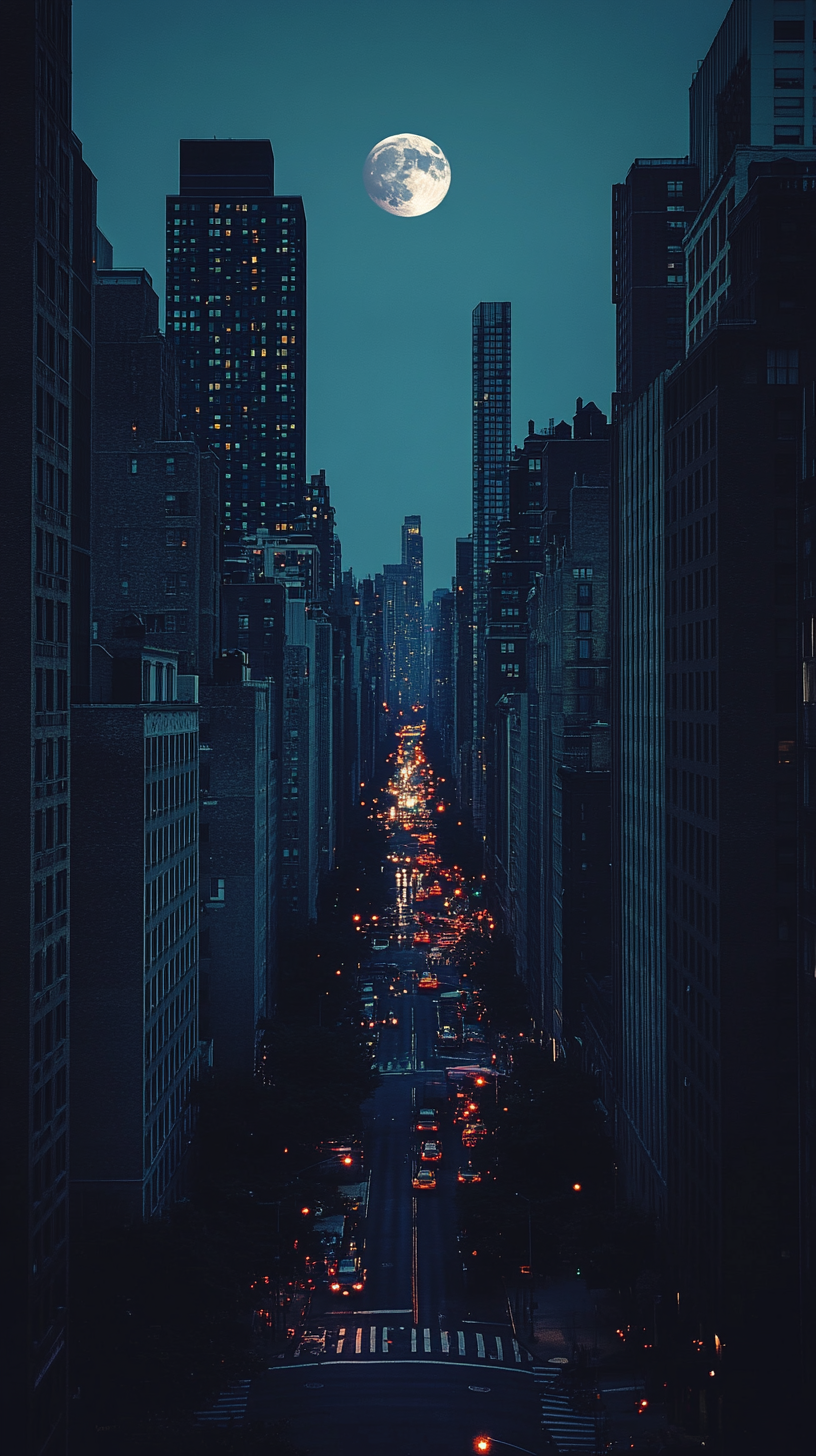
{"x": 483, "y": 1443}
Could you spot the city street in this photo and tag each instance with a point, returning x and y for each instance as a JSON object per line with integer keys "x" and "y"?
{"x": 421, "y": 1363}
{"x": 428, "y": 1357}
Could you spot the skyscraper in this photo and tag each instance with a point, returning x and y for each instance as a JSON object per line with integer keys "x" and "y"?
{"x": 236, "y": 303}
{"x": 403, "y": 623}
{"x": 46, "y": 319}
{"x": 651, "y": 212}
{"x": 491, "y": 459}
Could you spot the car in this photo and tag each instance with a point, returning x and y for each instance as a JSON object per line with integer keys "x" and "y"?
{"x": 468, "y": 1175}
{"x": 349, "y": 1278}
{"x": 427, "y": 1120}
{"x": 430, "y": 1152}
{"x": 424, "y": 1178}
{"x": 428, "y": 982}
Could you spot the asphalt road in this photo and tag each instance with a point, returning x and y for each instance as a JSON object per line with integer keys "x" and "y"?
{"x": 422, "y": 1363}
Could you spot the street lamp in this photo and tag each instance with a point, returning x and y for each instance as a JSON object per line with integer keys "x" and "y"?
{"x": 486, "y": 1443}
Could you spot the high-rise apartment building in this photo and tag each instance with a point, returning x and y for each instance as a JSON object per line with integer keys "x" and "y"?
{"x": 651, "y": 213}
{"x": 491, "y": 459}
{"x": 749, "y": 103}
{"x": 236, "y": 304}
{"x": 46, "y": 320}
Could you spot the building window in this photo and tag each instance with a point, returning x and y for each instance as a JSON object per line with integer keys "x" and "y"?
{"x": 585, "y": 648}
{"x": 789, "y": 78}
{"x": 170, "y": 465}
{"x": 584, "y": 621}
{"x": 789, "y": 106}
{"x": 134, "y": 466}
{"x": 585, "y": 594}
{"x": 674, "y": 187}
{"x": 789, "y": 136}
{"x": 584, "y": 703}
{"x": 783, "y": 366}
{"x": 217, "y": 890}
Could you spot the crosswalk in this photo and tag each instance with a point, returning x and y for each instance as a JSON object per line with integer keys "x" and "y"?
{"x": 230, "y": 1407}
{"x": 570, "y": 1431}
{"x": 355, "y": 1342}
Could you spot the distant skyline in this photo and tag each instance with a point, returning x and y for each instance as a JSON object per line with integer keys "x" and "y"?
{"x": 539, "y": 107}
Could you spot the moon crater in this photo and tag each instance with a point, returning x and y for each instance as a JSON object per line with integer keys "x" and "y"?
{"x": 406, "y": 175}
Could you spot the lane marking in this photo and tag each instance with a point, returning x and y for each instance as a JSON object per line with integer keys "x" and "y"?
{"x": 461, "y": 1335}
{"x": 414, "y": 1262}
{"x": 445, "y": 1343}
{"x": 499, "y": 1347}
{"x": 379, "y": 1311}
{"x": 358, "y": 1343}
{"x": 426, "y": 1340}
{"x": 480, "y": 1349}
{"x": 301, "y": 1365}
{"x": 413, "y": 1341}
{"x": 372, "y": 1340}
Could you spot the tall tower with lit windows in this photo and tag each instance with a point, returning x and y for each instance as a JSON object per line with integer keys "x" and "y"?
{"x": 236, "y": 307}
{"x": 491, "y": 475}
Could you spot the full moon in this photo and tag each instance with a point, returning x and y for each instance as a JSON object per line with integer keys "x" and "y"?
{"x": 406, "y": 175}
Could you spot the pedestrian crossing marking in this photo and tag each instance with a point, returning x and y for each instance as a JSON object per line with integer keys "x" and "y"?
{"x": 378, "y": 1340}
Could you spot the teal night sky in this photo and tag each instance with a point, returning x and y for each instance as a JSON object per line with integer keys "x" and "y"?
{"x": 539, "y": 105}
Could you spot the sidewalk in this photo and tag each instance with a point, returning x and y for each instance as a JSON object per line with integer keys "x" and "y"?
{"x": 569, "y": 1316}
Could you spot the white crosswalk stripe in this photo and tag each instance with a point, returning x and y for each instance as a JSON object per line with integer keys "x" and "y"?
{"x": 573, "y": 1433}
{"x": 445, "y": 1342}
{"x": 385, "y": 1340}
{"x": 461, "y": 1337}
{"x": 499, "y": 1348}
{"x": 358, "y": 1343}
{"x": 372, "y": 1339}
{"x": 426, "y": 1340}
{"x": 480, "y": 1346}
{"x": 517, "y": 1352}
{"x": 230, "y": 1407}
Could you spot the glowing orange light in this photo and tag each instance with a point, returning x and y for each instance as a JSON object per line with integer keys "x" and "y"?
{"x": 576, "y": 1187}
{"x": 304, "y": 1211}
{"x": 482, "y": 1443}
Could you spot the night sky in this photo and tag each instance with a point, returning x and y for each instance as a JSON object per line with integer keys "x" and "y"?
{"x": 539, "y": 105}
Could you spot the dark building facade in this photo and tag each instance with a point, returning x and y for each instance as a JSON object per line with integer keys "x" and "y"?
{"x": 238, "y": 866}
{"x": 155, "y": 497}
{"x": 46, "y": 315}
{"x": 651, "y": 212}
{"x": 134, "y": 1056}
{"x": 236, "y": 303}
{"x": 463, "y": 653}
{"x": 736, "y": 992}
